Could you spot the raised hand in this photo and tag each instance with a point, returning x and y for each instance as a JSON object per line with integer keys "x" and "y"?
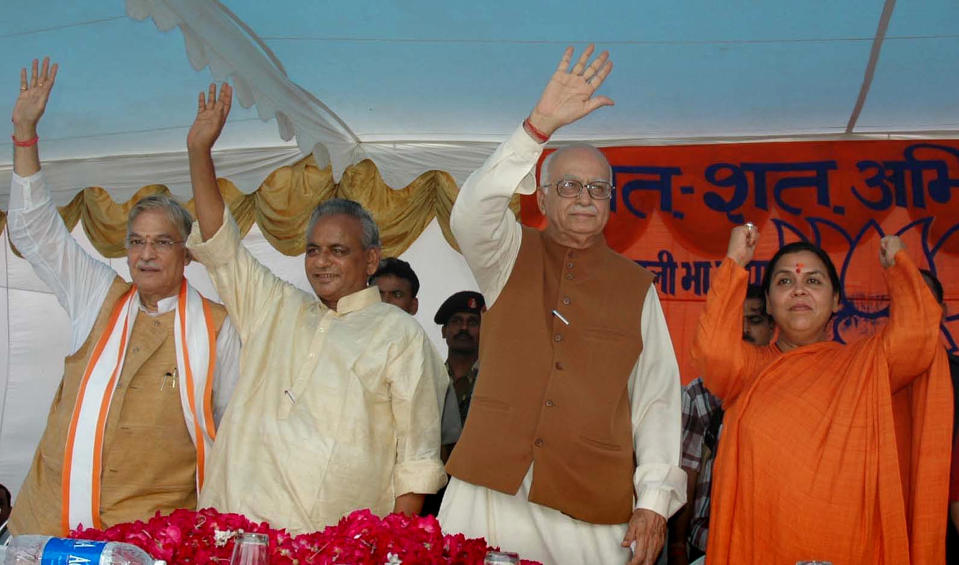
{"x": 211, "y": 115}
{"x": 569, "y": 94}
{"x": 33, "y": 97}
{"x": 742, "y": 244}
{"x": 888, "y": 247}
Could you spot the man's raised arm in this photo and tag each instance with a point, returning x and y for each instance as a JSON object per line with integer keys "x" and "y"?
{"x": 211, "y": 115}
{"x": 30, "y": 106}
{"x": 34, "y": 226}
{"x": 485, "y": 228}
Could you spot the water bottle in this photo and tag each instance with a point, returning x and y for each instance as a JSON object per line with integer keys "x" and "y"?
{"x": 45, "y": 550}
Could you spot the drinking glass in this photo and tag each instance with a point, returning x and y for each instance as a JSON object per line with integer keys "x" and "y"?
{"x": 251, "y": 549}
{"x": 500, "y": 558}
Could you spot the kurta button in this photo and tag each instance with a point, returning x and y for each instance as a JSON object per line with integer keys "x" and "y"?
{"x": 569, "y": 265}
{"x": 566, "y": 300}
{"x": 538, "y": 442}
{"x": 156, "y": 323}
{"x": 559, "y": 366}
{"x": 549, "y": 403}
{"x": 558, "y": 337}
{"x": 135, "y": 350}
{"x": 569, "y": 276}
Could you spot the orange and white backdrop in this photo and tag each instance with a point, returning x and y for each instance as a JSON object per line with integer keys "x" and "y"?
{"x": 674, "y": 206}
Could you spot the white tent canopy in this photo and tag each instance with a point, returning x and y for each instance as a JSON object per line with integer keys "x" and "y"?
{"x": 423, "y": 85}
{"x": 432, "y": 85}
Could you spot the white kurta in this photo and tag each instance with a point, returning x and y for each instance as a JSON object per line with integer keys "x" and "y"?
{"x": 490, "y": 237}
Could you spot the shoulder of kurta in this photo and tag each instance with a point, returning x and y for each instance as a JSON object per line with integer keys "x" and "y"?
{"x": 395, "y": 320}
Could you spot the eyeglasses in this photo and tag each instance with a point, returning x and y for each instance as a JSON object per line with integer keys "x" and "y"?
{"x": 572, "y": 188}
{"x": 161, "y": 245}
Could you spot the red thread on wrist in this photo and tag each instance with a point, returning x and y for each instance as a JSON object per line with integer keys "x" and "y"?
{"x": 537, "y": 135}
{"x": 27, "y": 143}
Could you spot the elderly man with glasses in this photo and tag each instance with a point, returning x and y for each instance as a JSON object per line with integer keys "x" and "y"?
{"x": 151, "y": 365}
{"x": 570, "y": 453}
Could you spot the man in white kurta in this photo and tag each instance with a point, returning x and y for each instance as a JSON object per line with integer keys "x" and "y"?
{"x": 339, "y": 399}
{"x": 490, "y": 239}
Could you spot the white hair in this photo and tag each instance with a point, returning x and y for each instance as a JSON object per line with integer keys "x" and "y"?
{"x": 547, "y": 173}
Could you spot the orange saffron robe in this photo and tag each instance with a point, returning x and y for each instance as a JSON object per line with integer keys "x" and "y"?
{"x": 829, "y": 451}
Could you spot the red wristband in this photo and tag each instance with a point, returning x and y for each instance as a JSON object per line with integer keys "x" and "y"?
{"x": 537, "y": 135}
{"x": 27, "y": 143}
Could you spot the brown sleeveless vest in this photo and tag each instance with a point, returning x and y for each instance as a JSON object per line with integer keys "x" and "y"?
{"x": 149, "y": 460}
{"x": 556, "y": 394}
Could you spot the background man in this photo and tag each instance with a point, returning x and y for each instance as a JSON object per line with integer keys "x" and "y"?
{"x": 338, "y": 406}
{"x": 571, "y": 450}
{"x": 398, "y": 284}
{"x": 146, "y": 451}
{"x": 460, "y": 317}
{"x": 702, "y": 419}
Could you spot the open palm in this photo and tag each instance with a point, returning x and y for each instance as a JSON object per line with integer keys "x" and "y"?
{"x": 211, "y": 115}
{"x": 569, "y": 94}
{"x": 34, "y": 93}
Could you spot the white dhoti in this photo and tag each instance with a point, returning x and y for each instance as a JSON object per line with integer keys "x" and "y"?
{"x": 533, "y": 531}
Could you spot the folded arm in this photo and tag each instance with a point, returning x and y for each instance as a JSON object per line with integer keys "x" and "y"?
{"x": 911, "y": 338}
{"x": 719, "y": 354}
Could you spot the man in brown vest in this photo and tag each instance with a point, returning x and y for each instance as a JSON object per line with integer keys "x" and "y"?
{"x": 123, "y": 438}
{"x": 571, "y": 450}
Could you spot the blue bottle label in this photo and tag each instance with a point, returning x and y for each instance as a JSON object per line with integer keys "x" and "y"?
{"x": 71, "y": 551}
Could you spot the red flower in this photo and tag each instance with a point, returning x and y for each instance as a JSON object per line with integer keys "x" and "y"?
{"x": 205, "y": 536}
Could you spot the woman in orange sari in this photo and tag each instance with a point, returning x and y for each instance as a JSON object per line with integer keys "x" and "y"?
{"x": 829, "y": 452}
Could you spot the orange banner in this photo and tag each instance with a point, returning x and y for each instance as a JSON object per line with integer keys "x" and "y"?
{"x": 673, "y": 208}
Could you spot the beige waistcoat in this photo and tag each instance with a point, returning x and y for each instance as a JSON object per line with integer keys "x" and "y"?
{"x": 149, "y": 460}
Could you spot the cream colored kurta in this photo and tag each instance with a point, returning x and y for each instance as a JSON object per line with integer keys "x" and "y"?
{"x": 335, "y": 410}
{"x": 490, "y": 239}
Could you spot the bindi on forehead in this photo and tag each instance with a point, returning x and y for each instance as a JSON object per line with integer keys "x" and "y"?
{"x": 799, "y": 267}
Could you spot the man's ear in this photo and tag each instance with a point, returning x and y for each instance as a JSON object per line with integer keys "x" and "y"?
{"x": 188, "y": 258}
{"x": 373, "y": 260}
{"x": 414, "y": 306}
{"x": 541, "y": 200}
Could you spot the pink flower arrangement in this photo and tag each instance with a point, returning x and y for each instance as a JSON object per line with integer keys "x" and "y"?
{"x": 206, "y": 536}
